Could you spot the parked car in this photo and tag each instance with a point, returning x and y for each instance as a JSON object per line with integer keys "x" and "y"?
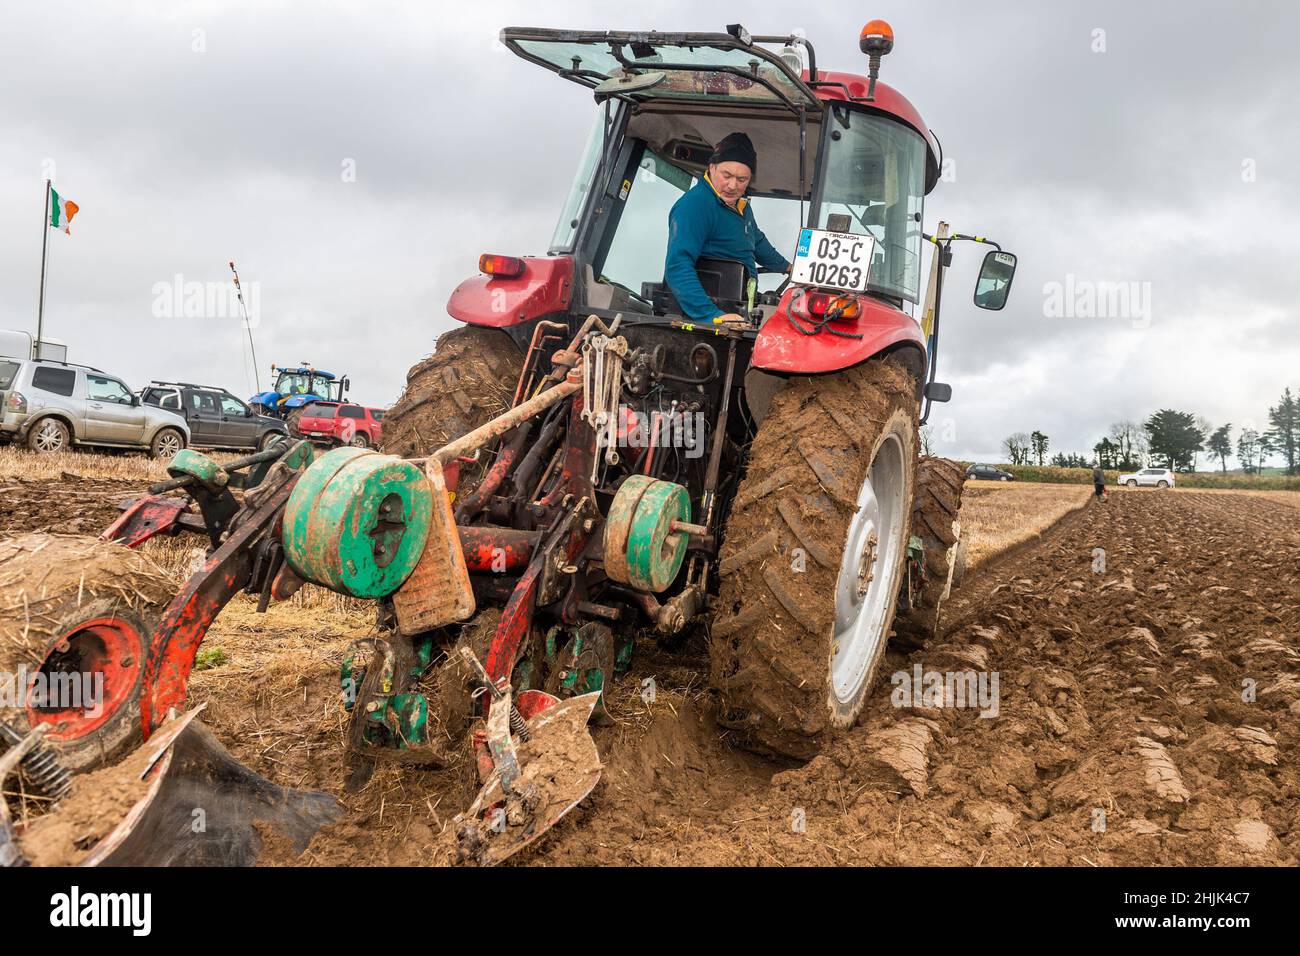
{"x": 217, "y": 419}
{"x": 51, "y": 406}
{"x": 989, "y": 473}
{"x": 339, "y": 423}
{"x": 1148, "y": 477}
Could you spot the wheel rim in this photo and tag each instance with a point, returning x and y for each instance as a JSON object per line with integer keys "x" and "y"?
{"x": 101, "y": 659}
{"x": 168, "y": 445}
{"x": 359, "y": 441}
{"x": 868, "y": 579}
{"x": 49, "y": 437}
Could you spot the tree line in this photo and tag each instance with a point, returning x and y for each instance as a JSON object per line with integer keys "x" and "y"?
{"x": 1173, "y": 439}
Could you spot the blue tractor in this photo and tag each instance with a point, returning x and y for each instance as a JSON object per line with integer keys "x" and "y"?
{"x": 297, "y": 387}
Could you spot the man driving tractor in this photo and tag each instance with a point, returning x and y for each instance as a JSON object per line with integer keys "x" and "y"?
{"x": 714, "y": 219}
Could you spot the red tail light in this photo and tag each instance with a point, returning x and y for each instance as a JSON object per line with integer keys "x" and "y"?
{"x": 506, "y": 267}
{"x": 819, "y": 304}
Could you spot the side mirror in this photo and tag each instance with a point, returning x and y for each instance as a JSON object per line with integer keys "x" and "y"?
{"x": 994, "y": 282}
{"x": 938, "y": 391}
{"x": 135, "y": 400}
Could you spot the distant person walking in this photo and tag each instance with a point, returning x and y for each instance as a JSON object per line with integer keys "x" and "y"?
{"x": 1099, "y": 483}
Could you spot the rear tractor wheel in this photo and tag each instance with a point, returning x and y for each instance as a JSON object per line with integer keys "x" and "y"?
{"x": 469, "y": 379}
{"x": 813, "y": 556}
{"x": 76, "y": 619}
{"x": 291, "y": 421}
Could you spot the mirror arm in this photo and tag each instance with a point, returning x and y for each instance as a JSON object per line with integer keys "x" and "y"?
{"x": 987, "y": 242}
{"x": 940, "y": 249}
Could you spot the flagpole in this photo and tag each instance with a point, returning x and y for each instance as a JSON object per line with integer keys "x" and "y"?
{"x": 45, "y": 241}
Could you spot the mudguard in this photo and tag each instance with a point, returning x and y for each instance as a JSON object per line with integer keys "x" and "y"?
{"x": 784, "y": 350}
{"x": 545, "y": 287}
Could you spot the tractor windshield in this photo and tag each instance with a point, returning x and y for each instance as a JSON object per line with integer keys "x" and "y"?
{"x": 295, "y": 383}
{"x": 873, "y": 176}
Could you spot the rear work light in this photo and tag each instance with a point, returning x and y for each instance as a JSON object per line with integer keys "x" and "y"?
{"x": 16, "y": 402}
{"x": 505, "y": 267}
{"x": 821, "y": 304}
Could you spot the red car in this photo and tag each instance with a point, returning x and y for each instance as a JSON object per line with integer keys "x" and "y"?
{"x": 339, "y": 423}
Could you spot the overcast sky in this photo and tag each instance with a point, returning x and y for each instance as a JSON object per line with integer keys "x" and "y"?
{"x": 1152, "y": 144}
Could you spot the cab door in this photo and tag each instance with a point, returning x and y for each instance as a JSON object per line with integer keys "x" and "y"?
{"x": 113, "y": 414}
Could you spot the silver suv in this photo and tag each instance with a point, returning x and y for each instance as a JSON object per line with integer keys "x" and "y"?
{"x": 50, "y": 406}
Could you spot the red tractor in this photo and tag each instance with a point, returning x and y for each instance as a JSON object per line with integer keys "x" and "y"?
{"x": 761, "y": 481}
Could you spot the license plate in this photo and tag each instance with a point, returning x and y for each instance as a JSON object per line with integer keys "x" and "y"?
{"x": 317, "y": 434}
{"x": 833, "y": 260}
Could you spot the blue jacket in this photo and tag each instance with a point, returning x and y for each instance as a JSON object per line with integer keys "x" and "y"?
{"x": 702, "y": 224}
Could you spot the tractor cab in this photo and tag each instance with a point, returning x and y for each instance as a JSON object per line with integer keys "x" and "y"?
{"x": 824, "y": 160}
{"x": 844, "y": 165}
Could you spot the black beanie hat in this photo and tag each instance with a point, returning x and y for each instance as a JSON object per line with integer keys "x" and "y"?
{"x": 736, "y": 148}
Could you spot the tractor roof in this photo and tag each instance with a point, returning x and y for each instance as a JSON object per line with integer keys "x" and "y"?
{"x": 307, "y": 370}
{"x": 718, "y": 69}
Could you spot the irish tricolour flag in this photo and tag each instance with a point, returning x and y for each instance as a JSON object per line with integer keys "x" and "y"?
{"x": 61, "y": 211}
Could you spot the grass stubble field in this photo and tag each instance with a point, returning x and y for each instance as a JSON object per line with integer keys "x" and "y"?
{"x": 1116, "y": 694}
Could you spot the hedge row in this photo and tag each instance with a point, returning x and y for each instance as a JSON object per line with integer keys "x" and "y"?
{"x": 1197, "y": 479}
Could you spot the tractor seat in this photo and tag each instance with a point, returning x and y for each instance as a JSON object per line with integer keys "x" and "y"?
{"x": 723, "y": 280}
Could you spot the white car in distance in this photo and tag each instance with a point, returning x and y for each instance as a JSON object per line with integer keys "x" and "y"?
{"x": 1148, "y": 477}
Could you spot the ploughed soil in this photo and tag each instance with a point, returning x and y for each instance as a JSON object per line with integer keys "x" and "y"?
{"x": 71, "y": 505}
{"x": 1147, "y": 711}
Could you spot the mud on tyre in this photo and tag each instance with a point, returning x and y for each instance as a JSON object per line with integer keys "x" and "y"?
{"x": 469, "y": 378}
{"x": 789, "y": 661}
{"x": 73, "y": 605}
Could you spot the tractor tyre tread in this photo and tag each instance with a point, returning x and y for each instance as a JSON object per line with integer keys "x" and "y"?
{"x": 936, "y": 520}
{"x": 770, "y": 643}
{"x": 470, "y": 378}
